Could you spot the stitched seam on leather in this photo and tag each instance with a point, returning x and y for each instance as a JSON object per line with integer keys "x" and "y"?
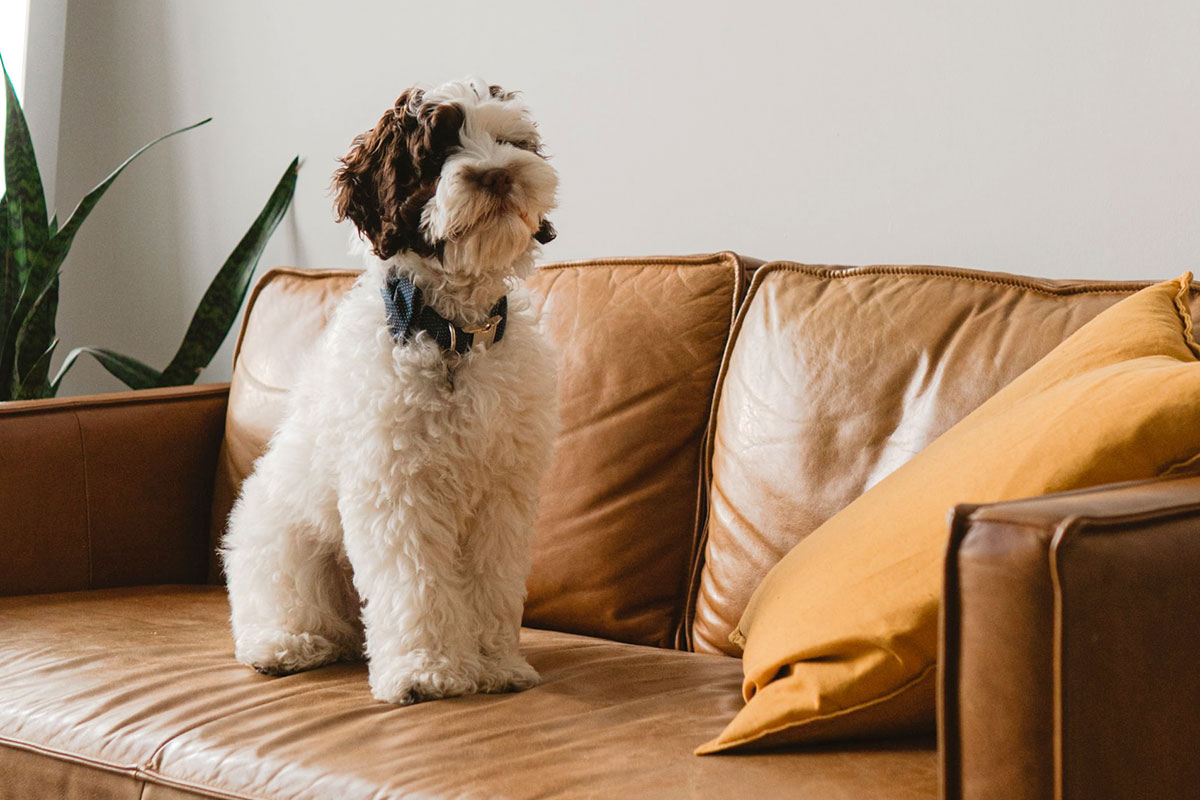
{"x": 1025, "y": 525}
{"x": 634, "y": 261}
{"x": 153, "y": 776}
{"x": 1056, "y": 646}
{"x": 135, "y": 771}
{"x": 949, "y": 729}
{"x": 63, "y": 755}
{"x": 1090, "y": 524}
{"x": 87, "y": 500}
{"x": 1161, "y": 512}
{"x": 839, "y": 273}
{"x": 132, "y": 397}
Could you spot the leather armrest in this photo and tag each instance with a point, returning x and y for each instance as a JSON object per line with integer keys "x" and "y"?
{"x": 108, "y": 490}
{"x": 1070, "y": 646}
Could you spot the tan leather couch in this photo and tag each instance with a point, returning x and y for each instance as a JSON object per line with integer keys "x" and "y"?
{"x": 703, "y": 399}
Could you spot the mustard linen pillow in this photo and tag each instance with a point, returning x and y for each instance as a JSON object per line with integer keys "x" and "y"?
{"x": 840, "y": 638}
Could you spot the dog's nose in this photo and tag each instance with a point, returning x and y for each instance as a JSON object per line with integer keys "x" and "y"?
{"x": 498, "y": 181}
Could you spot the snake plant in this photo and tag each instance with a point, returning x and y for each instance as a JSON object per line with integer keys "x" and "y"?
{"x": 35, "y": 247}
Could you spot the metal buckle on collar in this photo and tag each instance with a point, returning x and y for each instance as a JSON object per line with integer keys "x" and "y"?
{"x": 484, "y": 333}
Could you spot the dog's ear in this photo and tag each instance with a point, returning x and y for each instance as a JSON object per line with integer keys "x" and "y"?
{"x": 375, "y": 177}
{"x": 545, "y": 232}
{"x": 391, "y": 172}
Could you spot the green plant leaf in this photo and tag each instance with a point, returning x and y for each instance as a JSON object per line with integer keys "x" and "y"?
{"x": 26, "y": 233}
{"x": 218, "y": 308}
{"x": 8, "y": 271}
{"x": 23, "y": 182}
{"x": 33, "y": 335}
{"x": 128, "y": 370}
{"x": 29, "y": 309}
{"x": 29, "y": 323}
{"x": 33, "y": 388}
{"x": 29, "y": 339}
{"x": 62, "y": 239}
{"x": 36, "y": 321}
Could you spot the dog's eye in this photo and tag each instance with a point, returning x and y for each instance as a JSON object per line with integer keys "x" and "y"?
{"x": 519, "y": 144}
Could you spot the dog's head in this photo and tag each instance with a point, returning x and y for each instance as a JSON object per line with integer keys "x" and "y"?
{"x": 454, "y": 174}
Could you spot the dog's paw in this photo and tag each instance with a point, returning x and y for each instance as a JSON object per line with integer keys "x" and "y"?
{"x": 282, "y": 653}
{"x": 418, "y": 680}
{"x": 509, "y": 674}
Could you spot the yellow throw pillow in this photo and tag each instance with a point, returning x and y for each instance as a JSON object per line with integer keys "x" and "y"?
{"x": 840, "y": 638}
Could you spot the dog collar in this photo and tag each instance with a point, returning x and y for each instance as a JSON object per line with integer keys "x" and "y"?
{"x": 404, "y": 306}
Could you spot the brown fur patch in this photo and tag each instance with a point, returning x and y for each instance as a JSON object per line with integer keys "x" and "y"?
{"x": 391, "y": 172}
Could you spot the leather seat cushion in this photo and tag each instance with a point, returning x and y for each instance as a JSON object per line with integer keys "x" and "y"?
{"x": 129, "y": 693}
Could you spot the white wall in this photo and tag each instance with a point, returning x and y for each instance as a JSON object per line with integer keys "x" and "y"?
{"x": 42, "y": 100}
{"x": 1057, "y": 139}
{"x": 14, "y": 24}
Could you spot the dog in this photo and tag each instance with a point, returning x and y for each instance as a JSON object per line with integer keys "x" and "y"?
{"x": 392, "y": 511}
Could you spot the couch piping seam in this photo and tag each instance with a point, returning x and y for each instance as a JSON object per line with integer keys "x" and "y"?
{"x": 135, "y": 771}
{"x": 131, "y": 397}
{"x": 634, "y": 261}
{"x": 949, "y": 657}
{"x": 1165, "y": 511}
{"x": 87, "y": 501}
{"x": 840, "y": 273}
{"x": 1056, "y": 647}
{"x": 681, "y": 638}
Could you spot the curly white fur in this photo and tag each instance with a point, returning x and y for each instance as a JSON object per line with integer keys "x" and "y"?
{"x": 393, "y": 503}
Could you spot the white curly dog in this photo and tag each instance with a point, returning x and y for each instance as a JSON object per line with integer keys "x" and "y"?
{"x": 392, "y": 511}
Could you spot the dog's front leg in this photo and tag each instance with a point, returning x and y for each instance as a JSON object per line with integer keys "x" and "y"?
{"x": 292, "y": 607}
{"x": 404, "y": 552}
{"x": 498, "y": 557}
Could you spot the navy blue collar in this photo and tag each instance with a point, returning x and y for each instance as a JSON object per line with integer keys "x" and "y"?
{"x": 407, "y": 313}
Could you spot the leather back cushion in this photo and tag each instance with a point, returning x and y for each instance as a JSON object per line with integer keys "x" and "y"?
{"x": 835, "y": 377}
{"x": 639, "y": 345}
